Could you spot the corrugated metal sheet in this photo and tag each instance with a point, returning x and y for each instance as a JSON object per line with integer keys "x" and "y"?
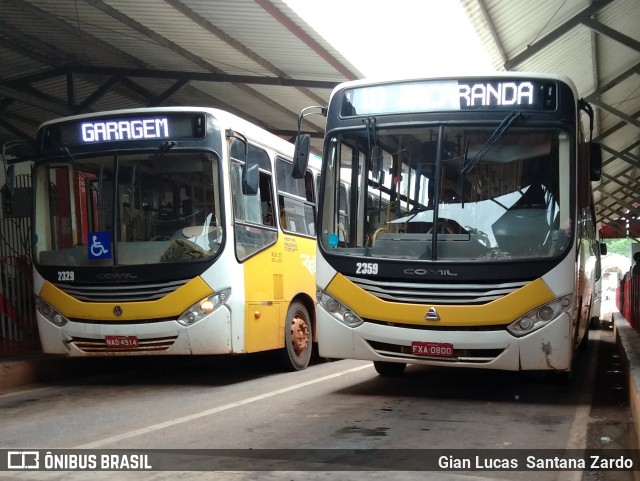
{"x": 16, "y": 64}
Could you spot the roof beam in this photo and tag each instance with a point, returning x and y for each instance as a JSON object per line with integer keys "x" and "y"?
{"x": 243, "y": 49}
{"x": 626, "y": 156}
{"x": 41, "y": 76}
{"x": 60, "y": 107}
{"x": 610, "y": 215}
{"x": 492, "y": 30}
{"x": 195, "y": 59}
{"x": 97, "y": 94}
{"x": 615, "y": 215}
{"x": 621, "y": 115}
{"x": 604, "y": 183}
{"x": 164, "y": 96}
{"x": 29, "y": 46}
{"x": 624, "y": 187}
{"x": 202, "y": 76}
{"x": 306, "y": 38}
{"x": 614, "y": 34}
{"x": 554, "y": 35}
{"x": 614, "y": 128}
{"x": 74, "y": 32}
{"x": 54, "y": 105}
{"x": 617, "y": 211}
{"x": 21, "y": 119}
{"x": 634, "y": 69}
{"x": 626, "y": 205}
{"x": 14, "y": 130}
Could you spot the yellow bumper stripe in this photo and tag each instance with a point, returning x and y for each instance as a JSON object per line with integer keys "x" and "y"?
{"x": 500, "y": 311}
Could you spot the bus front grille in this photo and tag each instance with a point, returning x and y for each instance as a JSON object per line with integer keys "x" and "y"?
{"x": 437, "y": 294}
{"x": 459, "y": 355}
{"x": 99, "y": 346}
{"x": 121, "y": 292}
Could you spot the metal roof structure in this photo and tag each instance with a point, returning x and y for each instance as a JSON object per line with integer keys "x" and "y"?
{"x": 597, "y": 45}
{"x": 260, "y": 60}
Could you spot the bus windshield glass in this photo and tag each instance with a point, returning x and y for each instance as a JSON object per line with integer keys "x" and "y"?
{"x": 448, "y": 192}
{"x": 127, "y": 209}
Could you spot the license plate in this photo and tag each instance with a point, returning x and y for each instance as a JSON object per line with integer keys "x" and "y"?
{"x": 121, "y": 341}
{"x": 433, "y": 349}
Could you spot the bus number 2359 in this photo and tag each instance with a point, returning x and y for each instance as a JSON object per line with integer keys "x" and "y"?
{"x": 367, "y": 268}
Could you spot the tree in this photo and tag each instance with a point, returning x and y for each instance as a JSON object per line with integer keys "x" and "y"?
{"x": 619, "y": 246}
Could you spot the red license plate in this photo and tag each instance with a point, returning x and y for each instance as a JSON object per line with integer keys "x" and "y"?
{"x": 433, "y": 349}
{"x": 121, "y": 341}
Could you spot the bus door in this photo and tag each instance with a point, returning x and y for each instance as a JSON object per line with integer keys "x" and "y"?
{"x": 258, "y": 250}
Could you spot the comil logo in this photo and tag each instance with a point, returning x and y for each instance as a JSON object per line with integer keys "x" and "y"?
{"x": 23, "y": 460}
{"x": 432, "y": 314}
{"x": 431, "y": 272}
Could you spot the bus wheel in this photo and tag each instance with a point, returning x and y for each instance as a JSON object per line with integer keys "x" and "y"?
{"x": 298, "y": 338}
{"x": 389, "y": 369}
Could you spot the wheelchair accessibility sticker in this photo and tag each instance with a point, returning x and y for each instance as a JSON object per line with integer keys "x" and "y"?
{"x": 99, "y": 245}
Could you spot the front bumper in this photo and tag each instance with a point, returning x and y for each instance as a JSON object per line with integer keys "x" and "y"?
{"x": 211, "y": 335}
{"x": 548, "y": 348}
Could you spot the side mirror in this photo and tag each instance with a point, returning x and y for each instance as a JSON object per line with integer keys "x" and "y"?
{"x": 603, "y": 249}
{"x": 595, "y": 161}
{"x": 250, "y": 178}
{"x": 301, "y": 155}
{"x": 10, "y": 180}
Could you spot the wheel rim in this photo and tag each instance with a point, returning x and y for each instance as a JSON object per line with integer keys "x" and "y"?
{"x": 299, "y": 335}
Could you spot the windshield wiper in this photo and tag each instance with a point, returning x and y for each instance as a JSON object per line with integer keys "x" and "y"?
{"x": 132, "y": 191}
{"x": 495, "y": 136}
{"x": 88, "y": 182}
{"x": 375, "y": 157}
{"x": 164, "y": 148}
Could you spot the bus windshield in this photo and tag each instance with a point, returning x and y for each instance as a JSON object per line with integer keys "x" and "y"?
{"x": 448, "y": 192}
{"x": 127, "y": 209}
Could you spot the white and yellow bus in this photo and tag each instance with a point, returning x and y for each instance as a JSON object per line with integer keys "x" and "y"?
{"x": 456, "y": 224}
{"x": 172, "y": 231}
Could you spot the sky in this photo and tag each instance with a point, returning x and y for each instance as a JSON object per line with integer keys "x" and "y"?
{"x": 415, "y": 38}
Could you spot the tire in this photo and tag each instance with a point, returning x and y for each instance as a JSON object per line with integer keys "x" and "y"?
{"x": 298, "y": 338}
{"x": 389, "y": 369}
{"x": 584, "y": 342}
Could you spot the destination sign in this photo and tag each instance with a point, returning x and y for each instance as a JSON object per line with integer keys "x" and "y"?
{"x": 89, "y": 131}
{"x": 128, "y": 129}
{"x": 449, "y": 95}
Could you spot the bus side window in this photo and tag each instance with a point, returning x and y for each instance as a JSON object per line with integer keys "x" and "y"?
{"x": 296, "y": 200}
{"x": 251, "y": 211}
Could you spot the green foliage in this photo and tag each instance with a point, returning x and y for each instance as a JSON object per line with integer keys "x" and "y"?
{"x": 619, "y": 246}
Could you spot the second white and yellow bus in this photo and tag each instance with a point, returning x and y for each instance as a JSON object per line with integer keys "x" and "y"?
{"x": 172, "y": 231}
{"x": 456, "y": 225}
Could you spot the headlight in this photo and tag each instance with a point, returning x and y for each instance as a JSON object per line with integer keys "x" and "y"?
{"x": 338, "y": 310}
{"x": 540, "y": 316}
{"x": 49, "y": 313}
{"x": 204, "y": 307}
